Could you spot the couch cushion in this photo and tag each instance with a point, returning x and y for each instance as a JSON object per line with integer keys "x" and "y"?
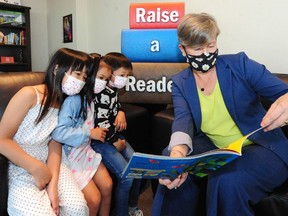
{"x": 11, "y": 82}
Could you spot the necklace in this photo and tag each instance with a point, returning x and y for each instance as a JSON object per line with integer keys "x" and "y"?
{"x": 202, "y": 85}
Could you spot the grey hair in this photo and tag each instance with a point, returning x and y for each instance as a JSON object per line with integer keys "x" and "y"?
{"x": 197, "y": 29}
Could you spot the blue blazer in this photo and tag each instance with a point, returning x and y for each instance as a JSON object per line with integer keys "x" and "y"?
{"x": 242, "y": 81}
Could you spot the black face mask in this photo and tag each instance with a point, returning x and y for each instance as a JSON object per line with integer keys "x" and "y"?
{"x": 203, "y": 62}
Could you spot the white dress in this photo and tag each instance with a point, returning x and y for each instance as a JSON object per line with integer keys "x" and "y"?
{"x": 83, "y": 160}
{"x": 24, "y": 197}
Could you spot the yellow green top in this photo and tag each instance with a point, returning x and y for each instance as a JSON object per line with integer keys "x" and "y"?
{"x": 217, "y": 123}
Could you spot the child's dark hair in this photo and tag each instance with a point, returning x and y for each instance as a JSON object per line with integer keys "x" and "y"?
{"x": 87, "y": 92}
{"x": 117, "y": 60}
{"x": 63, "y": 60}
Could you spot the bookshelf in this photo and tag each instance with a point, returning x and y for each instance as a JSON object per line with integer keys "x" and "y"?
{"x": 15, "y": 26}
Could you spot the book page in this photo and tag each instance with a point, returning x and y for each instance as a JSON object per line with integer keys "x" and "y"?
{"x": 237, "y": 145}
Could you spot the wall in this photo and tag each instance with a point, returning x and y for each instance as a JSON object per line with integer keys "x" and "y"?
{"x": 39, "y": 33}
{"x": 56, "y": 10}
{"x": 257, "y": 27}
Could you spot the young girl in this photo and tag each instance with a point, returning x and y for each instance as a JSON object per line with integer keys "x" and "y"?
{"x": 116, "y": 152}
{"x": 75, "y": 129}
{"x": 39, "y": 182}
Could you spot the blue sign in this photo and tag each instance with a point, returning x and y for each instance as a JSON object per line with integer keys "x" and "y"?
{"x": 151, "y": 45}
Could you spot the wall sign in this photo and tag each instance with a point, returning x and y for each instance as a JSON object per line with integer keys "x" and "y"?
{"x": 156, "y": 15}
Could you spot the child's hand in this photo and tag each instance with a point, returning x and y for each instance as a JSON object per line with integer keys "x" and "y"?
{"x": 52, "y": 191}
{"x": 98, "y": 134}
{"x": 41, "y": 175}
{"x": 120, "y": 121}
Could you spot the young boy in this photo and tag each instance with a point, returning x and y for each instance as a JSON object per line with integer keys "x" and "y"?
{"x": 116, "y": 151}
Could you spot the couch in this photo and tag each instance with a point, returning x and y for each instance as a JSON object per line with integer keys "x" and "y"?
{"x": 148, "y": 107}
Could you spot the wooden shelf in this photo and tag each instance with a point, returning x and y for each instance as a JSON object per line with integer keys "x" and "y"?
{"x": 21, "y": 53}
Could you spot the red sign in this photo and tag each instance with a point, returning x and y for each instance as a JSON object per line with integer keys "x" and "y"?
{"x": 7, "y": 59}
{"x": 156, "y": 15}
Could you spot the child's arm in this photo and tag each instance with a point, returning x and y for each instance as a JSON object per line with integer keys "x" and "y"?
{"x": 66, "y": 130}
{"x": 53, "y": 163}
{"x": 10, "y": 122}
{"x": 120, "y": 121}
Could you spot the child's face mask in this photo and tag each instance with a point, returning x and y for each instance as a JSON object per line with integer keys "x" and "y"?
{"x": 72, "y": 85}
{"x": 99, "y": 85}
{"x": 119, "y": 82}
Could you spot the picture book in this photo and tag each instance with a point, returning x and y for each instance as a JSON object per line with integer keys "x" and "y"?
{"x": 149, "y": 166}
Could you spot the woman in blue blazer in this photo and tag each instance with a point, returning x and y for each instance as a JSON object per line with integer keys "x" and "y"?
{"x": 216, "y": 101}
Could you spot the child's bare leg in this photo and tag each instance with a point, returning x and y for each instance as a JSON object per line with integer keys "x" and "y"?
{"x": 120, "y": 145}
{"x": 93, "y": 197}
{"x": 104, "y": 184}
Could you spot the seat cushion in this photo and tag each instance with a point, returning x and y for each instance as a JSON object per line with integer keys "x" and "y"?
{"x": 138, "y": 127}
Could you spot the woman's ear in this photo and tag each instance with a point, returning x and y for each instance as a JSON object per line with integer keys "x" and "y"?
{"x": 55, "y": 70}
{"x": 180, "y": 46}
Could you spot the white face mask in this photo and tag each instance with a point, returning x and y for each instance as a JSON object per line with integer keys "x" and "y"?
{"x": 119, "y": 82}
{"x": 72, "y": 85}
{"x": 99, "y": 85}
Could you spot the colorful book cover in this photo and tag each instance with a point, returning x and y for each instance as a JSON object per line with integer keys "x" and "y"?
{"x": 149, "y": 166}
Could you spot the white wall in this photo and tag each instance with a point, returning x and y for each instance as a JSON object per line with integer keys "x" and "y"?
{"x": 56, "y": 10}
{"x": 258, "y": 27}
{"x": 39, "y": 35}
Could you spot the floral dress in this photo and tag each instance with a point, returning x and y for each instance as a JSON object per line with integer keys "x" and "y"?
{"x": 83, "y": 160}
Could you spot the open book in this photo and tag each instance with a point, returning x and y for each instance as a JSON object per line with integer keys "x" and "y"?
{"x": 150, "y": 166}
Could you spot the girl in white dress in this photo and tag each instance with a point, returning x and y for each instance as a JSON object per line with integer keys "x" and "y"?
{"x": 75, "y": 130}
{"x": 40, "y": 183}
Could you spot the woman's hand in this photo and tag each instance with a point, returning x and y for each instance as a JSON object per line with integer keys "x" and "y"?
{"x": 176, "y": 151}
{"x": 120, "y": 121}
{"x": 277, "y": 115}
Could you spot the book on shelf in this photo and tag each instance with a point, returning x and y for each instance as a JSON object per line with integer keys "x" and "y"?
{"x": 149, "y": 166}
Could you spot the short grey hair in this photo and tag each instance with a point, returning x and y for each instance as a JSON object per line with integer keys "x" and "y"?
{"x": 197, "y": 29}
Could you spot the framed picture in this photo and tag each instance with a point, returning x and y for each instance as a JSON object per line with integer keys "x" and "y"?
{"x": 67, "y": 29}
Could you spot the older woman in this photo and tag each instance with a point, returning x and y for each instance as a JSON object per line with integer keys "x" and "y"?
{"x": 216, "y": 102}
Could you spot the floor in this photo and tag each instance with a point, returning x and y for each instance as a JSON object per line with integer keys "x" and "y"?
{"x": 146, "y": 199}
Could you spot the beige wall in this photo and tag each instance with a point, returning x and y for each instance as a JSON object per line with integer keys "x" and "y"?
{"x": 257, "y": 27}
